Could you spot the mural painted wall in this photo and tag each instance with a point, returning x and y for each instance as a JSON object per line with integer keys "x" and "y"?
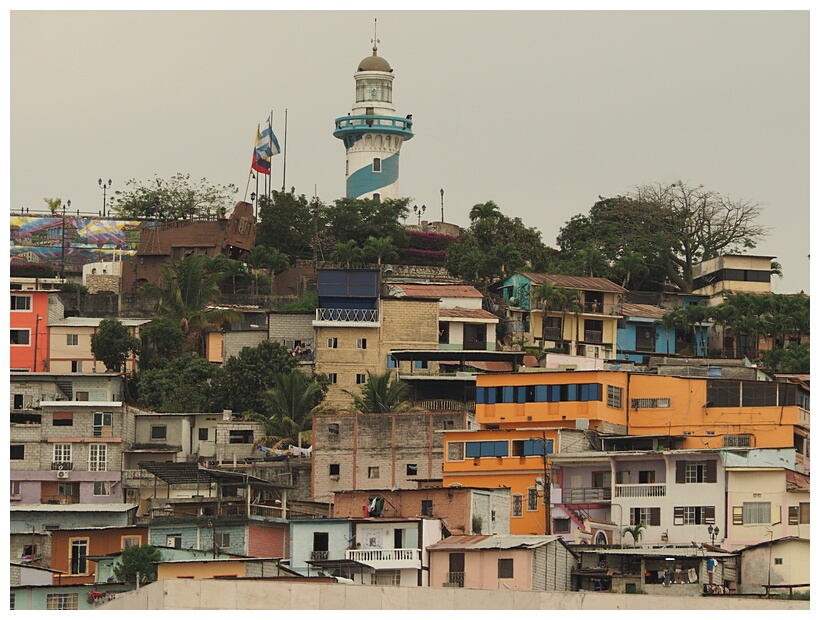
{"x": 38, "y": 240}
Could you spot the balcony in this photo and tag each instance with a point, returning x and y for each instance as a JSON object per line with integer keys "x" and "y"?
{"x": 318, "y": 555}
{"x": 60, "y": 499}
{"x": 443, "y": 404}
{"x": 640, "y": 490}
{"x": 386, "y": 558}
{"x": 593, "y": 336}
{"x": 454, "y": 580}
{"x": 348, "y": 127}
{"x": 361, "y": 317}
{"x": 136, "y": 474}
{"x": 586, "y": 495}
{"x": 62, "y": 466}
{"x": 552, "y": 333}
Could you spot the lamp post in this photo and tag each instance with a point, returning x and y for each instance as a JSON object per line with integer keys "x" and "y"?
{"x": 546, "y": 484}
{"x": 713, "y": 532}
{"x": 62, "y": 251}
{"x": 442, "y": 203}
{"x": 104, "y": 187}
{"x": 419, "y": 210}
{"x": 36, "y": 338}
{"x": 253, "y": 202}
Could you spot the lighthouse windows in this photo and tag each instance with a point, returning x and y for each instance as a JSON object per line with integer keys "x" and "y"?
{"x": 377, "y": 164}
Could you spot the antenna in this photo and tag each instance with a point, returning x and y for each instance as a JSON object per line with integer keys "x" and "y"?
{"x": 375, "y": 41}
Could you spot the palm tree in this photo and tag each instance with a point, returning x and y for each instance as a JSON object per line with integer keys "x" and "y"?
{"x": 633, "y": 267}
{"x": 380, "y": 249}
{"x": 291, "y": 403}
{"x": 636, "y": 531}
{"x": 695, "y": 315}
{"x": 553, "y": 297}
{"x": 53, "y": 204}
{"x": 505, "y": 257}
{"x": 668, "y": 321}
{"x": 347, "y": 253}
{"x": 485, "y": 211}
{"x": 591, "y": 261}
{"x": 381, "y": 394}
{"x": 276, "y": 263}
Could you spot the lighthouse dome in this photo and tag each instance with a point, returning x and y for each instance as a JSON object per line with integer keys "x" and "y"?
{"x": 375, "y": 63}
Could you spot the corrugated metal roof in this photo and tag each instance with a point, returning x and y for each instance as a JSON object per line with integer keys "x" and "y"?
{"x": 81, "y": 321}
{"x": 438, "y": 290}
{"x": 643, "y": 310}
{"x": 510, "y": 541}
{"x": 467, "y": 313}
{"x": 800, "y": 481}
{"x": 677, "y": 552}
{"x": 583, "y": 283}
{"x": 72, "y": 508}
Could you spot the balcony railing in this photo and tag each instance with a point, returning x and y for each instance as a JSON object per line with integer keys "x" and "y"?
{"x": 583, "y": 495}
{"x": 62, "y": 465}
{"x": 454, "y": 580}
{"x": 318, "y": 555}
{"x": 441, "y": 404}
{"x": 593, "y": 336}
{"x": 136, "y": 474}
{"x": 640, "y": 490}
{"x": 386, "y": 558}
{"x": 347, "y": 315}
{"x": 552, "y": 333}
{"x": 60, "y": 499}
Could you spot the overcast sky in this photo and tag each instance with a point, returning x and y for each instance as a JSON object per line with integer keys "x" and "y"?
{"x": 541, "y": 112}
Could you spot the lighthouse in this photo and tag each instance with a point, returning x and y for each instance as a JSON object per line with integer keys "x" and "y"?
{"x": 372, "y": 133}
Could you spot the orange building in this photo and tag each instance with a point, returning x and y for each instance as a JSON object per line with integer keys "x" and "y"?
{"x": 29, "y": 334}
{"x": 70, "y": 549}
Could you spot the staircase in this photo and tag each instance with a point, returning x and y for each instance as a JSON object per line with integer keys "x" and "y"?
{"x": 66, "y": 387}
{"x": 577, "y": 516}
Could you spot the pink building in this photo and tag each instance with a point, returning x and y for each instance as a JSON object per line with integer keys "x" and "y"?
{"x": 539, "y": 563}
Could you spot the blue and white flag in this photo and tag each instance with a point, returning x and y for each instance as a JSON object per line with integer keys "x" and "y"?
{"x": 267, "y": 145}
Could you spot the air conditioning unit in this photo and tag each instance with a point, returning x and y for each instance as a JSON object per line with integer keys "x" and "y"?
{"x": 62, "y": 474}
{"x": 64, "y": 501}
{"x": 582, "y": 424}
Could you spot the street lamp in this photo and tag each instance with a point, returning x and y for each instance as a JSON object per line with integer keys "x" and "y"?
{"x": 546, "y": 484}
{"x": 442, "y": 203}
{"x": 62, "y": 252}
{"x": 104, "y": 187}
{"x": 253, "y": 202}
{"x": 419, "y": 210}
{"x": 36, "y": 337}
{"x": 713, "y": 532}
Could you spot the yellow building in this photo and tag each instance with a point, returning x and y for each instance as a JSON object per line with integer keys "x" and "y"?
{"x": 70, "y": 344}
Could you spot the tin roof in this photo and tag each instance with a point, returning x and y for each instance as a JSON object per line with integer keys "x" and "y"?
{"x": 82, "y": 321}
{"x": 642, "y": 310}
{"x": 72, "y": 508}
{"x": 467, "y": 313}
{"x": 510, "y": 541}
{"x": 438, "y": 290}
{"x": 583, "y": 283}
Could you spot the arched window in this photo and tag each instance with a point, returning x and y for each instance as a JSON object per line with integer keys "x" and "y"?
{"x": 600, "y": 538}
{"x": 377, "y": 164}
{"x": 377, "y": 197}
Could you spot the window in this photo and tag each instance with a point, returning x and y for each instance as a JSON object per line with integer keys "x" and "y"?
{"x": 647, "y": 516}
{"x": 756, "y": 513}
{"x": 391, "y": 362}
{"x": 15, "y": 487}
{"x": 63, "y": 418}
{"x": 21, "y": 337}
{"x": 63, "y": 601}
{"x": 377, "y": 164}
{"x": 203, "y": 434}
{"x": 421, "y": 364}
{"x": 240, "y": 436}
{"x": 377, "y": 197}
{"x": 385, "y": 578}
{"x": 517, "y": 505}
{"x": 131, "y": 541}
{"x": 20, "y": 302}
{"x": 97, "y": 456}
{"x": 412, "y": 469}
{"x": 333, "y": 429}
{"x": 560, "y": 526}
{"x": 532, "y": 499}
{"x": 444, "y": 332}
{"x": 62, "y": 453}
{"x": 332, "y": 378}
{"x": 478, "y": 449}
{"x": 72, "y": 340}
{"x": 646, "y": 476}
{"x": 159, "y": 432}
{"x": 174, "y": 541}
{"x": 530, "y": 447}
{"x": 372, "y": 472}
{"x": 222, "y": 539}
{"x": 613, "y": 396}
{"x": 693, "y": 472}
{"x": 334, "y": 469}
{"x": 737, "y": 441}
{"x": 455, "y": 450}
{"x": 505, "y": 568}
{"x": 601, "y": 480}
{"x": 18, "y": 452}
{"x": 332, "y": 343}
{"x": 805, "y": 508}
{"x": 361, "y": 378}
{"x": 361, "y": 343}
{"x": 651, "y": 403}
{"x": 427, "y": 507}
{"x": 79, "y": 551}
{"x": 65, "y": 489}
{"x": 103, "y": 424}
{"x": 778, "y": 560}
{"x": 102, "y": 489}
{"x": 76, "y": 366}
{"x": 694, "y": 515}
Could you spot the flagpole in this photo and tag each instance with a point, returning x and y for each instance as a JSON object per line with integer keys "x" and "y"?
{"x": 257, "y": 180}
{"x": 285, "y": 152}
{"x": 270, "y": 184}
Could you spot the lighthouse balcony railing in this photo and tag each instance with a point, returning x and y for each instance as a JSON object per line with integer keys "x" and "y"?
{"x": 403, "y": 125}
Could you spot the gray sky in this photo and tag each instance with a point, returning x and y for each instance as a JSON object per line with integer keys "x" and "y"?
{"x": 541, "y": 112}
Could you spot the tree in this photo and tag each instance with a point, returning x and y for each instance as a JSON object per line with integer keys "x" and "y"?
{"x": 380, "y": 249}
{"x": 241, "y": 382}
{"x": 162, "y": 338}
{"x": 632, "y": 269}
{"x": 53, "y": 204}
{"x": 138, "y": 560}
{"x": 178, "y": 385}
{"x": 504, "y": 259}
{"x": 669, "y": 321}
{"x": 636, "y": 531}
{"x": 358, "y": 219}
{"x": 112, "y": 344}
{"x": 348, "y": 253}
{"x": 290, "y": 405}
{"x": 485, "y": 211}
{"x": 175, "y": 198}
{"x": 286, "y": 223}
{"x": 381, "y": 394}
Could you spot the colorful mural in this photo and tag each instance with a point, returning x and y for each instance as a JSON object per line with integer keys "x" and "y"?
{"x": 38, "y": 240}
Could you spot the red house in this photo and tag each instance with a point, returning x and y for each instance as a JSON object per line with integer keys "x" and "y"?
{"x": 29, "y": 331}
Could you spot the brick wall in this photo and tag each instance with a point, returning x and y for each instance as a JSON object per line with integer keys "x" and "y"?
{"x": 234, "y": 342}
{"x": 268, "y": 542}
{"x": 226, "y": 451}
{"x": 291, "y": 326}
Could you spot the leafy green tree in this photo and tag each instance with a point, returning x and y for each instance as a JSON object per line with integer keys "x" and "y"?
{"x": 381, "y": 394}
{"x": 113, "y": 343}
{"x": 138, "y": 560}
{"x": 178, "y": 385}
{"x": 380, "y": 249}
{"x": 241, "y": 382}
{"x": 175, "y": 198}
{"x": 632, "y": 269}
{"x": 286, "y": 224}
{"x": 358, "y": 219}
{"x": 636, "y": 531}
{"x": 793, "y": 358}
{"x": 348, "y": 253}
{"x": 669, "y": 321}
{"x": 504, "y": 259}
{"x": 53, "y": 204}
{"x": 290, "y": 406}
{"x": 485, "y": 211}
{"x": 162, "y": 338}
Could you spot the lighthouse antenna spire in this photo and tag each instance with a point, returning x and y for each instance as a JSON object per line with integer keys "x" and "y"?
{"x": 375, "y": 40}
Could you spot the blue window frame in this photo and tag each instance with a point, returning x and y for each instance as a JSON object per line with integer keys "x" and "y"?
{"x": 521, "y": 394}
{"x": 507, "y": 394}
{"x": 479, "y": 449}
{"x": 479, "y": 396}
{"x": 391, "y": 361}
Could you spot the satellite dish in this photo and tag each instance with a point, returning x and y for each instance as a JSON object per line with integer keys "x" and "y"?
{"x": 514, "y": 301}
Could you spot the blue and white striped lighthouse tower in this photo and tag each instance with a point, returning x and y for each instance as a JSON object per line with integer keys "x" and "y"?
{"x": 372, "y": 134}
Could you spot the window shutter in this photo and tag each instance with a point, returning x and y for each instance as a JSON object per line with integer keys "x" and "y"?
{"x": 678, "y": 515}
{"x": 680, "y": 472}
{"x": 654, "y": 516}
{"x": 711, "y": 471}
{"x": 737, "y": 515}
{"x": 709, "y": 515}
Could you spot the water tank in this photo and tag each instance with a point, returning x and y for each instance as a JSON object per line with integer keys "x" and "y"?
{"x": 715, "y": 372}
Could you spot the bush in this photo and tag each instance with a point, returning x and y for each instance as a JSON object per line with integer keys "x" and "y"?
{"x": 31, "y": 270}
{"x": 432, "y": 258}
{"x": 428, "y": 241}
